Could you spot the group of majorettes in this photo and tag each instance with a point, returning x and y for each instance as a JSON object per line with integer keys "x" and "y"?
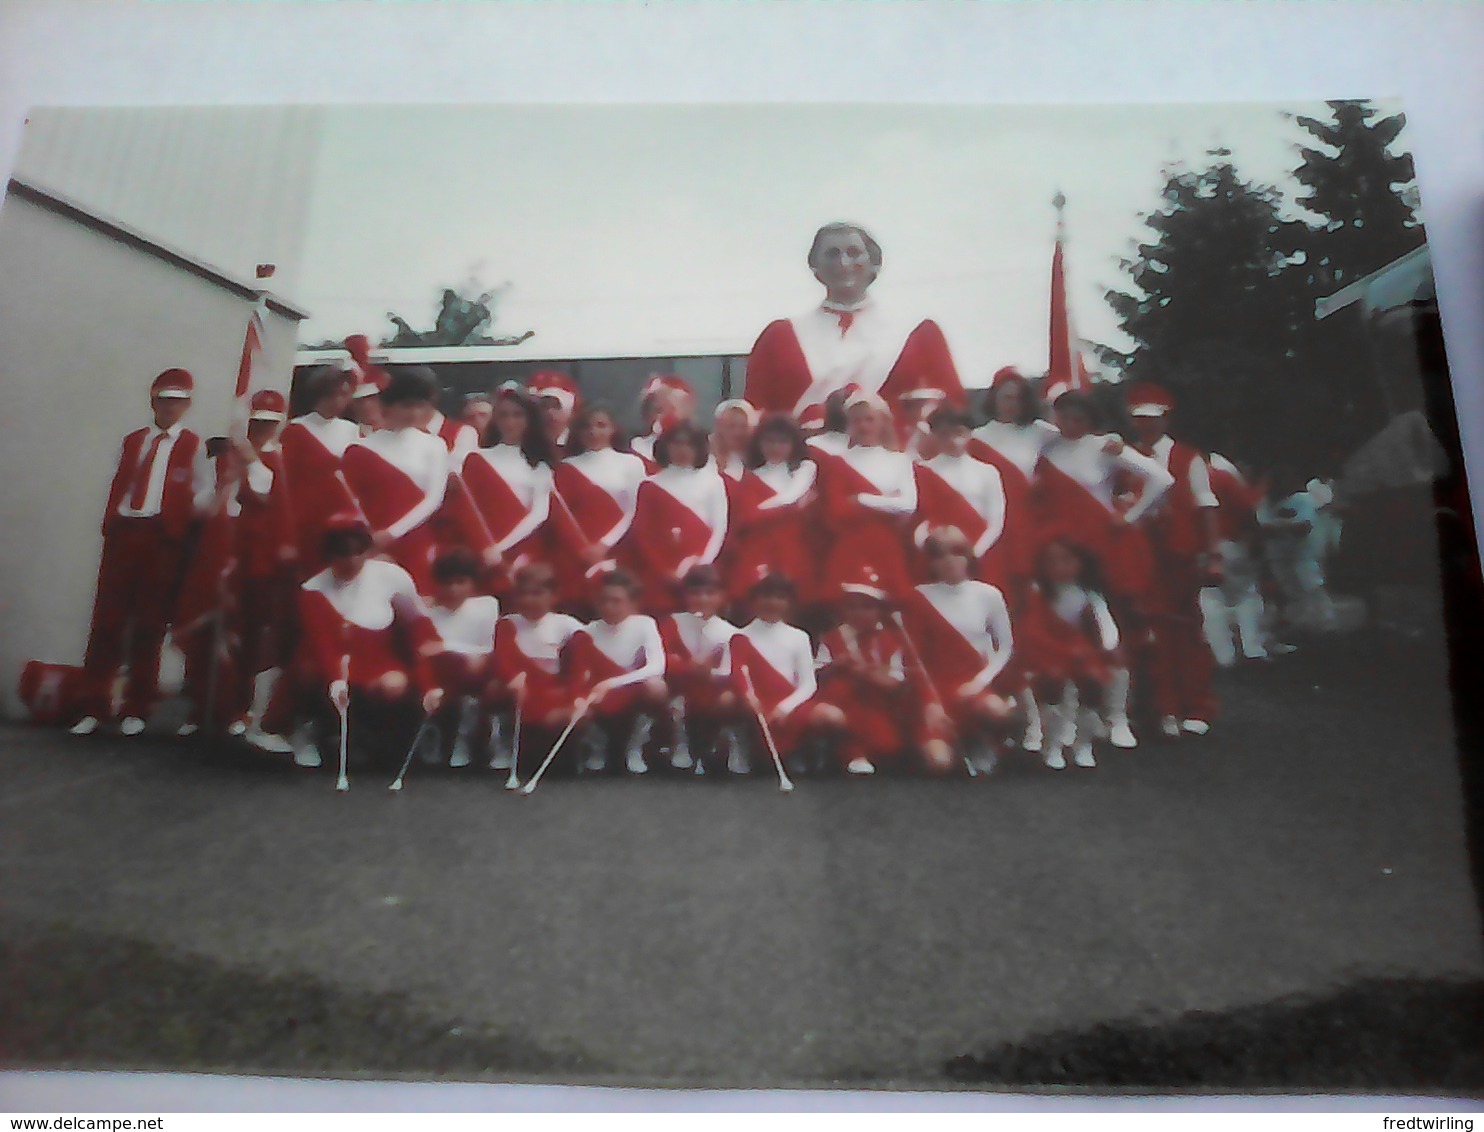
{"x": 895, "y": 590}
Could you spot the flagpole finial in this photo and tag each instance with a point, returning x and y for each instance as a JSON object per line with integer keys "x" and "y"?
{"x": 1059, "y": 201}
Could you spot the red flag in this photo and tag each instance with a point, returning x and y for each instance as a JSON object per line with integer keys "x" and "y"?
{"x": 1066, "y": 369}
{"x": 252, "y": 350}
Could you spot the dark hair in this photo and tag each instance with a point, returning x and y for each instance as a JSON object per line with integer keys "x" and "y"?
{"x": 454, "y": 564}
{"x": 621, "y": 579}
{"x": 1030, "y": 407}
{"x": 535, "y": 445}
{"x": 684, "y": 430}
{"x": 576, "y": 445}
{"x": 343, "y": 543}
{"x": 326, "y": 382}
{"x": 834, "y": 411}
{"x": 1073, "y": 401}
{"x": 410, "y": 384}
{"x": 773, "y": 585}
{"x": 873, "y": 249}
{"x": 946, "y": 416}
{"x": 777, "y": 424}
{"x": 701, "y": 578}
{"x": 538, "y": 575}
{"x": 936, "y": 544}
{"x": 1089, "y": 576}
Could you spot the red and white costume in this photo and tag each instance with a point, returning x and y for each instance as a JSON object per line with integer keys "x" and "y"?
{"x": 313, "y": 448}
{"x": 868, "y": 496}
{"x": 376, "y": 620}
{"x": 962, "y": 492}
{"x": 1180, "y": 662}
{"x": 536, "y": 649}
{"x": 151, "y": 503}
{"x": 773, "y": 529}
{"x": 877, "y": 721}
{"x": 459, "y": 438}
{"x": 1075, "y": 500}
{"x": 594, "y": 495}
{"x": 561, "y": 389}
{"x": 779, "y": 661}
{"x": 797, "y": 362}
{"x": 269, "y": 552}
{"x": 511, "y": 501}
{"x": 1014, "y": 450}
{"x": 621, "y": 656}
{"x": 400, "y": 477}
{"x": 680, "y": 521}
{"x": 467, "y": 637}
{"x": 1067, "y": 635}
{"x": 962, "y": 636}
{"x": 694, "y": 649}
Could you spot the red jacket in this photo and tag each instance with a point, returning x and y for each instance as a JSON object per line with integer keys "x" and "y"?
{"x": 177, "y": 503}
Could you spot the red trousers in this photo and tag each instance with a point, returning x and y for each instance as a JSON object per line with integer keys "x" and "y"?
{"x": 137, "y": 581}
{"x": 1179, "y": 665}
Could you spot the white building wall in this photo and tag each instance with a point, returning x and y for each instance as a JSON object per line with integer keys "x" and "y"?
{"x": 85, "y": 323}
{"x": 228, "y": 184}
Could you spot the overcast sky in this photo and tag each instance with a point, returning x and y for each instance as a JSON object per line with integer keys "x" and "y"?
{"x": 656, "y": 230}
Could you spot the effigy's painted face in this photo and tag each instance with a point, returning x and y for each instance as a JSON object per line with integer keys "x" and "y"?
{"x": 843, "y": 264}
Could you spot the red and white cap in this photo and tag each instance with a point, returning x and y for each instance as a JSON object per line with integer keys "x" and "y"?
{"x": 173, "y": 383}
{"x": 738, "y": 405}
{"x": 268, "y": 405}
{"x": 346, "y": 522}
{"x": 1145, "y": 399}
{"x": 866, "y": 397}
{"x": 865, "y": 581}
{"x": 558, "y": 386}
{"x": 663, "y": 382}
{"x": 923, "y": 393}
{"x": 1006, "y": 374}
{"x": 371, "y": 382}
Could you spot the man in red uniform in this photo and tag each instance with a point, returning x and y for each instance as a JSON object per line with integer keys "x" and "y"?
{"x": 849, "y": 338}
{"x": 151, "y": 504}
{"x": 1183, "y": 536}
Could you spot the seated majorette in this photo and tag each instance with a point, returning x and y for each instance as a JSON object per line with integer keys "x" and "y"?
{"x": 557, "y": 395}
{"x": 868, "y": 494}
{"x": 862, "y": 671}
{"x": 958, "y": 631}
{"x": 770, "y": 666}
{"x": 680, "y": 517}
{"x": 1012, "y": 441}
{"x": 399, "y": 476}
{"x": 732, "y": 426}
{"x": 530, "y": 676}
{"x": 465, "y": 621}
{"x": 504, "y": 495}
{"x": 847, "y": 339}
{"x": 1075, "y": 496}
{"x": 773, "y": 528}
{"x": 364, "y": 633}
{"x": 594, "y": 493}
{"x": 914, "y": 434}
{"x": 702, "y": 707}
{"x": 313, "y": 450}
{"x": 956, "y": 490}
{"x": 665, "y": 401}
{"x": 1068, "y": 641}
{"x": 617, "y": 664}
{"x": 825, "y": 432}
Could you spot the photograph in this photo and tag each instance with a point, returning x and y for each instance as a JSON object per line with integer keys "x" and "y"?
{"x": 701, "y": 595}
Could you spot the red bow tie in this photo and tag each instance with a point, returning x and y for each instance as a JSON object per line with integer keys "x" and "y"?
{"x": 846, "y": 318}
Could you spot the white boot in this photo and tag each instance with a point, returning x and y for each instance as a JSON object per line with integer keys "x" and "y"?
{"x": 267, "y": 741}
{"x": 1120, "y": 734}
{"x": 1249, "y": 625}
{"x": 468, "y": 717}
{"x": 860, "y": 766}
{"x": 262, "y": 691}
{"x": 1216, "y": 625}
{"x": 84, "y": 726}
{"x": 1169, "y": 727}
{"x": 1035, "y": 736}
{"x": 634, "y": 754}
{"x": 596, "y": 759}
{"x": 680, "y": 757}
{"x": 737, "y": 761}
{"x": 501, "y": 757}
{"x": 304, "y": 746}
{"x": 131, "y": 725}
{"x": 1063, "y": 730}
{"x": 1087, "y": 727}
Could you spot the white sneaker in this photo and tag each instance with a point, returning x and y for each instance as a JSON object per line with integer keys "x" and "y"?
{"x": 131, "y": 725}
{"x": 1169, "y": 727}
{"x": 428, "y": 747}
{"x": 186, "y": 730}
{"x": 1054, "y": 759}
{"x": 1122, "y": 736}
{"x": 860, "y": 766}
{"x": 681, "y": 759}
{"x": 1195, "y": 726}
{"x": 460, "y": 756}
{"x": 634, "y": 763}
{"x": 1082, "y": 755}
{"x": 306, "y": 750}
{"x": 266, "y": 741}
{"x": 84, "y": 726}
{"x": 596, "y": 760}
{"x": 1033, "y": 741}
{"x": 237, "y": 728}
{"x": 500, "y": 757}
{"x": 985, "y": 760}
